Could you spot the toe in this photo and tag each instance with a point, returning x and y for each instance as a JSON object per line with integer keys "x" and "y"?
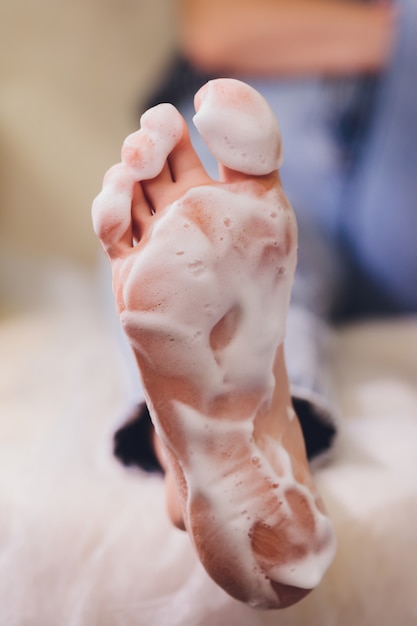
{"x": 239, "y": 128}
{"x": 182, "y": 170}
{"x": 158, "y": 190}
{"x": 145, "y": 152}
{"x": 111, "y": 210}
{"x": 184, "y": 161}
{"x": 141, "y": 214}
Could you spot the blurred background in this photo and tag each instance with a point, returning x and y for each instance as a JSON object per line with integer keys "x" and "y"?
{"x": 73, "y": 75}
{"x": 75, "y": 547}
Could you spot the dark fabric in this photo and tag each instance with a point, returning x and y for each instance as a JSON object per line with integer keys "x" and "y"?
{"x": 133, "y": 442}
{"x": 318, "y": 433}
{"x": 179, "y": 82}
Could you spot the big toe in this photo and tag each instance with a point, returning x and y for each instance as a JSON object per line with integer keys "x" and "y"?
{"x": 238, "y": 126}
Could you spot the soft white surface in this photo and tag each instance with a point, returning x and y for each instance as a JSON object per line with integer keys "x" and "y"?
{"x": 83, "y": 542}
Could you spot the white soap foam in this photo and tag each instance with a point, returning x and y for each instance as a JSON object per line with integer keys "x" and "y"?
{"x": 146, "y": 150}
{"x": 233, "y": 272}
{"x": 111, "y": 210}
{"x": 144, "y": 155}
{"x": 198, "y": 275}
{"x": 246, "y": 136}
{"x": 239, "y": 499}
{"x": 222, "y": 249}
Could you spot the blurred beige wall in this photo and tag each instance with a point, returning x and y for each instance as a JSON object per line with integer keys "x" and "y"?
{"x": 72, "y": 75}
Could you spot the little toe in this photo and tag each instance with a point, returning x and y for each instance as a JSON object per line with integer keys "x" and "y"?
{"x": 239, "y": 128}
{"x": 111, "y": 210}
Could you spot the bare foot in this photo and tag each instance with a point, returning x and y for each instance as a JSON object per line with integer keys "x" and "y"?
{"x": 202, "y": 273}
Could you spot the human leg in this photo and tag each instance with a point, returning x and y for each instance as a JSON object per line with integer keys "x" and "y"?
{"x": 220, "y": 395}
{"x": 380, "y": 216}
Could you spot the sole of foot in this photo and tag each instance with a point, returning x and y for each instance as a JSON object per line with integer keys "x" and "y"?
{"x": 202, "y": 275}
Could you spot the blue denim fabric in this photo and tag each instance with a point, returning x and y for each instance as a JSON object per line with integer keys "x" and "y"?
{"x": 350, "y": 172}
{"x": 380, "y": 211}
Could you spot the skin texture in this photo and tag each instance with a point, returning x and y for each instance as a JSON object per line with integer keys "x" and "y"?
{"x": 240, "y": 437}
{"x": 285, "y": 37}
